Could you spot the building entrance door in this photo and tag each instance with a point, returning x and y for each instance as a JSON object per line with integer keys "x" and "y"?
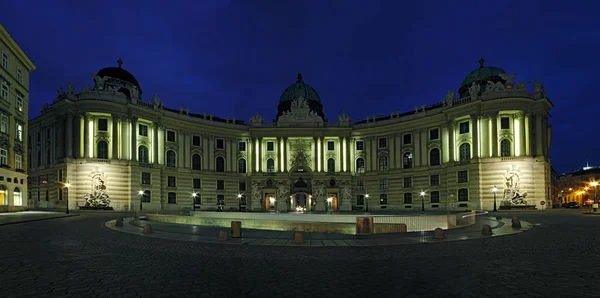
{"x": 300, "y": 201}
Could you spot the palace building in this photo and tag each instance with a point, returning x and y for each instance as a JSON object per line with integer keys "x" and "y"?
{"x": 492, "y": 135}
{"x": 14, "y": 98}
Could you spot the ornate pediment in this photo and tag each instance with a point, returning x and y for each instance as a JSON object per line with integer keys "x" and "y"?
{"x": 300, "y": 156}
{"x": 299, "y": 114}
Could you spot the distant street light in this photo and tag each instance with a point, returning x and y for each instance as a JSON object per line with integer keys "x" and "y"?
{"x": 67, "y": 185}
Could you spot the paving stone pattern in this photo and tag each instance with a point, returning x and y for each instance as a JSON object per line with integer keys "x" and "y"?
{"x": 79, "y": 257}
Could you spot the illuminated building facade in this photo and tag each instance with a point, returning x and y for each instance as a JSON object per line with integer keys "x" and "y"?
{"x": 580, "y": 186}
{"x": 14, "y": 107}
{"x": 448, "y": 155}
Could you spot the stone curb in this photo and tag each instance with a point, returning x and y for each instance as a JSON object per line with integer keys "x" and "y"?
{"x": 38, "y": 219}
{"x": 290, "y": 242}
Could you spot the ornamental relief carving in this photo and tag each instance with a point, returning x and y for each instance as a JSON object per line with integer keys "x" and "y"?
{"x": 330, "y": 155}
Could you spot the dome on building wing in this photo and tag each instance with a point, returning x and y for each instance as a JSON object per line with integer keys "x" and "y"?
{"x": 481, "y": 76}
{"x": 120, "y": 74}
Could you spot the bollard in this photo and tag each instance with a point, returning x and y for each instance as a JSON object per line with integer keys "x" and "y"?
{"x": 147, "y": 229}
{"x": 298, "y": 237}
{"x": 119, "y": 222}
{"x": 486, "y": 230}
{"x": 516, "y": 223}
{"x": 438, "y": 233}
{"x": 222, "y": 236}
{"x": 236, "y": 229}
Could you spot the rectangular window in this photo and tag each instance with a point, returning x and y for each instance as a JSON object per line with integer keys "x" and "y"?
{"x": 172, "y": 198}
{"x": 143, "y": 130}
{"x": 171, "y": 181}
{"x": 19, "y": 132}
{"x": 434, "y": 180}
{"x": 4, "y": 91}
{"x": 220, "y": 144}
{"x": 407, "y": 198}
{"x": 19, "y": 102}
{"x": 3, "y": 157}
{"x": 407, "y": 182}
{"x": 4, "y": 60}
{"x": 407, "y": 139}
{"x": 220, "y": 184}
{"x": 197, "y": 183}
{"x": 18, "y": 162}
{"x": 360, "y": 145}
{"x": 170, "y": 136}
{"x": 330, "y": 145}
{"x": 3, "y": 123}
{"x": 242, "y": 186}
{"x": 382, "y": 143}
{"x": 383, "y": 199}
{"x": 242, "y": 146}
{"x": 504, "y": 123}
{"x": 270, "y": 146}
{"x": 360, "y": 185}
{"x": 383, "y": 184}
{"x": 146, "y": 178}
{"x": 434, "y": 134}
{"x": 20, "y": 75}
{"x": 60, "y": 175}
{"x": 196, "y": 141}
{"x": 220, "y": 200}
{"x": 463, "y": 176}
{"x": 463, "y": 127}
{"x": 103, "y": 124}
{"x": 435, "y": 196}
{"x": 463, "y": 195}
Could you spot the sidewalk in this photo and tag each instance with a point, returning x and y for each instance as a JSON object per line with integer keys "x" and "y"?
{"x": 28, "y": 216}
{"x": 207, "y": 234}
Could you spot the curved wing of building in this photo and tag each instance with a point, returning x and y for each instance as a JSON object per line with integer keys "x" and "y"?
{"x": 488, "y": 144}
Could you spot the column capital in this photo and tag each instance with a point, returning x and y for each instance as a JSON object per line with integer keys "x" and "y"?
{"x": 518, "y": 115}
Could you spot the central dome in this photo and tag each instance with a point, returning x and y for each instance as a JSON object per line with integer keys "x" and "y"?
{"x": 119, "y": 74}
{"x": 300, "y": 88}
{"x": 296, "y": 90}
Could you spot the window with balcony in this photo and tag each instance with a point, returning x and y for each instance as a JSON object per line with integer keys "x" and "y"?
{"x": 464, "y": 152}
{"x": 143, "y": 154}
{"x": 434, "y": 157}
{"x": 505, "y": 148}
{"x": 171, "y": 159}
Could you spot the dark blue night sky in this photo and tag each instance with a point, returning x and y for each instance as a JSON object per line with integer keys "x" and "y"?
{"x": 235, "y": 58}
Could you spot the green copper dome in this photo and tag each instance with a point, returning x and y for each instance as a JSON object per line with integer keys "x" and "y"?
{"x": 482, "y": 73}
{"x": 300, "y": 88}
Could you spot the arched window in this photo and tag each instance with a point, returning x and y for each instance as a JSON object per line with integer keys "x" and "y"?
{"x": 505, "y": 148}
{"x": 270, "y": 165}
{"x": 102, "y": 150}
{"x": 242, "y": 166}
{"x": 360, "y": 165}
{"x": 463, "y": 195}
{"x": 143, "y": 154}
{"x": 434, "y": 157}
{"x": 171, "y": 159}
{"x": 407, "y": 160}
{"x": 220, "y": 164}
{"x": 330, "y": 165}
{"x": 18, "y": 197}
{"x": 383, "y": 163}
{"x": 465, "y": 152}
{"x": 196, "y": 162}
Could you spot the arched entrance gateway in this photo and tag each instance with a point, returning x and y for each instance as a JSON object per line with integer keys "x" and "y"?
{"x": 301, "y": 189}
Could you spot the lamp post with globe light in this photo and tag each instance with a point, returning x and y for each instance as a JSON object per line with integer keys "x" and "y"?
{"x": 67, "y": 185}
{"x": 595, "y": 204}
{"x": 367, "y": 201}
{"x": 494, "y": 190}
{"x": 141, "y": 193}
{"x": 194, "y": 195}
{"x": 422, "y": 194}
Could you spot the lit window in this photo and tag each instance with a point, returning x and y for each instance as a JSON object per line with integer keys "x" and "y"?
{"x": 19, "y": 132}
{"x": 20, "y": 75}
{"x": 19, "y": 102}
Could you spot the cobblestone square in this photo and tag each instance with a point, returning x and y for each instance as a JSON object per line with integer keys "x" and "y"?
{"x": 79, "y": 257}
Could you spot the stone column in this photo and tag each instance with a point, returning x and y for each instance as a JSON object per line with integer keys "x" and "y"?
{"x": 155, "y": 143}
{"x": 249, "y": 157}
{"x": 115, "y": 136}
{"x": 315, "y": 155}
{"x": 285, "y": 154}
{"x": 69, "y": 136}
{"x": 260, "y": 155}
{"x": 368, "y": 152}
{"x": 539, "y": 151}
{"x": 124, "y": 139}
{"x": 527, "y": 121}
{"x": 416, "y": 143}
{"x": 475, "y": 136}
{"x": 339, "y": 156}
{"x": 485, "y": 136}
{"x": 522, "y": 138}
{"x": 451, "y": 144}
{"x": 86, "y": 136}
{"x": 494, "y": 135}
{"x": 323, "y": 157}
{"x": 134, "y": 133}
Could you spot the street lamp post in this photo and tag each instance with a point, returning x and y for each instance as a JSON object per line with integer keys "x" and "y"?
{"x": 367, "y": 201}
{"x": 422, "y": 194}
{"x": 239, "y": 197}
{"x": 141, "y": 193}
{"x": 494, "y": 190}
{"x": 194, "y": 195}
{"x": 67, "y": 185}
